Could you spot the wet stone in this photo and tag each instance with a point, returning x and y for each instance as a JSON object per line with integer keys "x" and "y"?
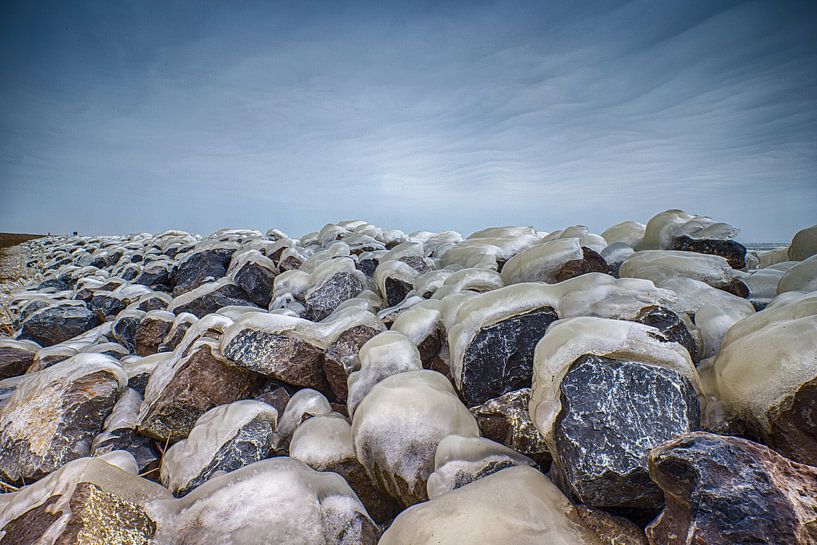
{"x": 673, "y": 328}
{"x": 197, "y": 270}
{"x": 57, "y": 324}
{"x": 15, "y": 357}
{"x": 734, "y": 252}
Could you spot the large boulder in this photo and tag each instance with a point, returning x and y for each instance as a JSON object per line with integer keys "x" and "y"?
{"x": 727, "y": 490}
{"x": 53, "y": 415}
{"x": 55, "y": 324}
{"x": 280, "y": 500}
{"x": 223, "y": 439}
{"x": 16, "y": 357}
{"x": 254, "y": 273}
{"x": 605, "y": 392}
{"x": 152, "y": 330}
{"x": 210, "y": 297}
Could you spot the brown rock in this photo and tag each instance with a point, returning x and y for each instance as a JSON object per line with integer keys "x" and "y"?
{"x": 203, "y": 380}
{"x": 793, "y": 425}
{"x": 591, "y": 262}
{"x": 610, "y": 529}
{"x": 16, "y": 357}
{"x": 151, "y": 332}
{"x": 731, "y": 491}
{"x": 339, "y": 355}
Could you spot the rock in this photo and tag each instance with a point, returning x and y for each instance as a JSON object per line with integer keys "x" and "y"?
{"x": 462, "y": 460}
{"x": 517, "y": 505}
{"x": 181, "y": 324}
{"x": 105, "y": 304}
{"x": 801, "y": 277}
{"x": 664, "y": 228}
{"x": 626, "y": 232}
{"x": 423, "y": 325}
{"x": 290, "y": 503}
{"x": 55, "y": 324}
{"x": 505, "y": 419}
{"x": 152, "y": 330}
{"x": 53, "y": 415}
{"x": 395, "y": 280}
{"x": 16, "y": 357}
{"x": 672, "y": 327}
{"x": 804, "y": 244}
{"x": 333, "y": 282}
{"x": 210, "y": 297}
{"x": 119, "y": 433}
{"x": 254, "y": 273}
{"x": 612, "y": 413}
{"x": 324, "y": 443}
{"x": 199, "y": 269}
{"x": 125, "y": 326}
{"x": 223, "y": 439}
{"x": 722, "y": 489}
{"x": 610, "y": 529}
{"x": 398, "y": 425}
{"x": 182, "y": 390}
{"x": 303, "y": 405}
{"x": 606, "y": 392}
{"x": 590, "y": 262}
{"x": 660, "y": 266}
{"x": 734, "y": 252}
{"x": 493, "y": 341}
{"x": 89, "y": 500}
{"x": 339, "y": 357}
{"x": 766, "y": 373}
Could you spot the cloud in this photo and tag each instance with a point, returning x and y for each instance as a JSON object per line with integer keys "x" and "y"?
{"x": 453, "y": 117}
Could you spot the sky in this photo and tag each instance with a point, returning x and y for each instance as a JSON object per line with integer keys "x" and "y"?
{"x": 120, "y": 117}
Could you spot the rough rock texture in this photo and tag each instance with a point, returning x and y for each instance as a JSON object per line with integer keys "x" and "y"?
{"x": 53, "y": 419}
{"x": 124, "y": 330}
{"x": 15, "y": 357}
{"x": 591, "y": 262}
{"x": 734, "y": 252}
{"x": 56, "y": 324}
{"x": 204, "y": 381}
{"x": 263, "y": 353}
{"x": 323, "y": 300}
{"x": 257, "y": 282}
{"x": 793, "y": 425}
{"x": 610, "y": 529}
{"x": 104, "y": 305}
{"x": 500, "y": 357}
{"x": 673, "y": 328}
{"x": 340, "y": 355}
{"x": 727, "y": 490}
{"x": 396, "y": 291}
{"x": 197, "y": 270}
{"x": 613, "y": 412}
{"x": 506, "y": 420}
{"x": 151, "y": 332}
{"x": 211, "y": 301}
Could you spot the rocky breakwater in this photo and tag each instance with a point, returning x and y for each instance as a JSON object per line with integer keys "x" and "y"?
{"x": 652, "y": 384}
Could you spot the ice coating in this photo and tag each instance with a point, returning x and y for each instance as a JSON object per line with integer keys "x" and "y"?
{"x": 398, "y": 425}
{"x": 663, "y": 228}
{"x": 601, "y": 295}
{"x": 662, "y": 265}
{"x": 763, "y": 283}
{"x": 713, "y": 321}
{"x": 204, "y": 289}
{"x": 184, "y": 461}
{"x": 517, "y": 506}
{"x": 124, "y": 413}
{"x": 567, "y": 340}
{"x": 538, "y": 262}
{"x": 280, "y": 500}
{"x": 478, "y": 280}
{"x": 246, "y": 257}
{"x": 420, "y": 321}
{"x": 323, "y": 441}
{"x": 461, "y": 460}
{"x": 766, "y": 357}
{"x": 106, "y": 472}
{"x": 801, "y": 277}
{"x": 627, "y": 232}
{"x": 694, "y": 294}
{"x": 803, "y": 244}
{"x": 383, "y": 355}
{"x": 485, "y": 251}
{"x": 427, "y": 284}
{"x": 394, "y": 269}
{"x": 303, "y": 402}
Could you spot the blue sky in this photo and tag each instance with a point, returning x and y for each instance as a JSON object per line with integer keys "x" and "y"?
{"x": 121, "y": 116}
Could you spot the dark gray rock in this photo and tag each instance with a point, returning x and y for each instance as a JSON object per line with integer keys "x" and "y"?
{"x": 734, "y": 252}
{"x": 396, "y": 291}
{"x": 257, "y": 281}
{"x": 198, "y": 269}
{"x": 322, "y": 301}
{"x": 730, "y": 491}
{"x": 340, "y": 354}
{"x": 53, "y": 325}
{"x": 16, "y": 357}
{"x": 613, "y": 412}
{"x": 124, "y": 329}
{"x": 500, "y": 357}
{"x": 212, "y": 300}
{"x": 673, "y": 328}
{"x": 105, "y": 305}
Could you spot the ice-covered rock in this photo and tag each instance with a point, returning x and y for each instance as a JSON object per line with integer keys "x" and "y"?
{"x": 223, "y": 439}
{"x": 733, "y": 252}
{"x": 729, "y": 490}
{"x": 182, "y": 388}
{"x": 423, "y": 325}
{"x": 210, "y": 297}
{"x": 332, "y": 283}
{"x": 119, "y": 433}
{"x": 604, "y": 393}
{"x": 340, "y": 357}
{"x": 626, "y": 232}
{"x": 152, "y": 330}
{"x": 462, "y": 460}
{"x": 551, "y": 262}
{"x": 280, "y": 500}
{"x": 16, "y": 357}
{"x": 254, "y": 273}
{"x": 801, "y": 277}
{"x": 88, "y": 500}
{"x": 660, "y": 266}
{"x": 200, "y": 267}
{"x": 52, "y": 416}
{"x": 55, "y": 324}
{"x": 662, "y": 230}
{"x": 804, "y": 244}
{"x": 517, "y": 505}
{"x": 324, "y": 443}
{"x": 303, "y": 405}
{"x": 766, "y": 372}
{"x": 398, "y": 425}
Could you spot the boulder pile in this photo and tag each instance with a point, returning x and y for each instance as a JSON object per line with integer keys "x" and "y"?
{"x": 652, "y": 384}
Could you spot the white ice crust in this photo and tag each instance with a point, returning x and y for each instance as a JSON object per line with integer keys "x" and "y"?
{"x": 662, "y": 265}
{"x": 323, "y": 441}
